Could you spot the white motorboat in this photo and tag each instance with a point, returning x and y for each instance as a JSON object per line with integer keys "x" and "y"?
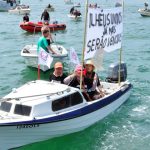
{"x": 68, "y": 2}
{"x": 39, "y": 110}
{"x": 77, "y": 5}
{"x": 20, "y": 9}
{"x": 144, "y": 12}
{"x": 75, "y": 17}
{"x": 29, "y": 52}
{"x": 6, "y": 5}
{"x": 50, "y": 9}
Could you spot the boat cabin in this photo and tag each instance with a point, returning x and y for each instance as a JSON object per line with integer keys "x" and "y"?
{"x": 48, "y": 101}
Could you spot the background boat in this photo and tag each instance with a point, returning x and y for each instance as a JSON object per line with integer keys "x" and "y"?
{"x": 5, "y": 6}
{"x": 144, "y": 13}
{"x": 29, "y": 53}
{"x": 36, "y": 27}
{"x": 20, "y": 9}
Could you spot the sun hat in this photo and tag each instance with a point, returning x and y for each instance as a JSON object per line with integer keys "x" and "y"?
{"x": 89, "y": 62}
{"x": 58, "y": 65}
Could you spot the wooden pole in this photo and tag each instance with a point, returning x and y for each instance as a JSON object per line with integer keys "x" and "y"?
{"x": 38, "y": 71}
{"x": 120, "y": 54}
{"x": 120, "y": 58}
{"x": 83, "y": 49}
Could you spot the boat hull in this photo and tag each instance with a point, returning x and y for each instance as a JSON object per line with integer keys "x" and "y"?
{"x": 4, "y": 6}
{"x": 144, "y": 13}
{"x": 19, "y": 12}
{"x": 73, "y": 17}
{"x": 36, "y": 27}
{"x": 39, "y": 130}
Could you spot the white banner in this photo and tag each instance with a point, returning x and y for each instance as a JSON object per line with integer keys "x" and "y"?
{"x": 74, "y": 57}
{"x": 104, "y": 30}
{"x": 44, "y": 58}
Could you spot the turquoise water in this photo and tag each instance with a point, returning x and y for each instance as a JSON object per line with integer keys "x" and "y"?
{"x": 126, "y": 128}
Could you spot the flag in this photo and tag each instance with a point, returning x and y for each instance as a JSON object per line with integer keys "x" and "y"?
{"x": 103, "y": 33}
{"x": 98, "y": 59}
{"x": 44, "y": 58}
{"x": 74, "y": 57}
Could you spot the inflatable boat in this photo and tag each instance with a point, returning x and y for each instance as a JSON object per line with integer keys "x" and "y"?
{"x": 36, "y": 27}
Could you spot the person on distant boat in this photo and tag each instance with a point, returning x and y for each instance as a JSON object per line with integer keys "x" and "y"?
{"x": 42, "y": 42}
{"x": 76, "y": 13}
{"x": 58, "y": 75}
{"x": 45, "y": 16}
{"x": 26, "y": 18}
{"x": 72, "y": 10}
{"x": 146, "y": 6}
{"x": 91, "y": 79}
{"x": 49, "y": 6}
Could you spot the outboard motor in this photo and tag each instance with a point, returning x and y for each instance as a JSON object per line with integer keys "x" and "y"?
{"x": 113, "y": 72}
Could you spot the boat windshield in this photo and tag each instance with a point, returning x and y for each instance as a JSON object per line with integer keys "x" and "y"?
{"x": 5, "y": 106}
{"x": 67, "y": 101}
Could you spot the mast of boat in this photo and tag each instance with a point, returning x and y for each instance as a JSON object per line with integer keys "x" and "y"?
{"x": 120, "y": 53}
{"x": 84, "y": 40}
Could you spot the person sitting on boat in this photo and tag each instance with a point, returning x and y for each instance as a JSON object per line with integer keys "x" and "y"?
{"x": 91, "y": 79}
{"x": 26, "y": 18}
{"x": 42, "y": 42}
{"x": 58, "y": 75}
{"x": 146, "y": 6}
{"x": 45, "y": 16}
{"x": 72, "y": 10}
{"x": 74, "y": 80}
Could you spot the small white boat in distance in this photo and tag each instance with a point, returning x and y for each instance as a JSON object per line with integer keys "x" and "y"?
{"x": 20, "y": 9}
{"x": 68, "y": 2}
{"x": 74, "y": 17}
{"x": 144, "y": 12}
{"x": 77, "y": 5}
{"x": 29, "y": 52}
{"x": 50, "y": 8}
{"x": 40, "y": 110}
{"x": 5, "y": 5}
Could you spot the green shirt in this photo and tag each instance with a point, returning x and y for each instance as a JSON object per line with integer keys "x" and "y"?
{"x": 42, "y": 42}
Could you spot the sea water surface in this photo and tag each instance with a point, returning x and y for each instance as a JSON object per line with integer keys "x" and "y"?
{"x": 126, "y": 128}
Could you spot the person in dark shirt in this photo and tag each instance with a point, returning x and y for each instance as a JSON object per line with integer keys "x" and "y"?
{"x": 45, "y": 16}
{"x": 26, "y": 18}
{"x": 146, "y": 6}
{"x": 72, "y": 10}
{"x": 58, "y": 75}
{"x": 74, "y": 81}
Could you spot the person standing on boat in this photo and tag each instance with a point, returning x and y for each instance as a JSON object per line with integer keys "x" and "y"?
{"x": 26, "y": 18}
{"x": 91, "y": 79}
{"x": 72, "y": 10}
{"x": 58, "y": 74}
{"x": 146, "y": 6}
{"x": 45, "y": 16}
{"x": 42, "y": 42}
